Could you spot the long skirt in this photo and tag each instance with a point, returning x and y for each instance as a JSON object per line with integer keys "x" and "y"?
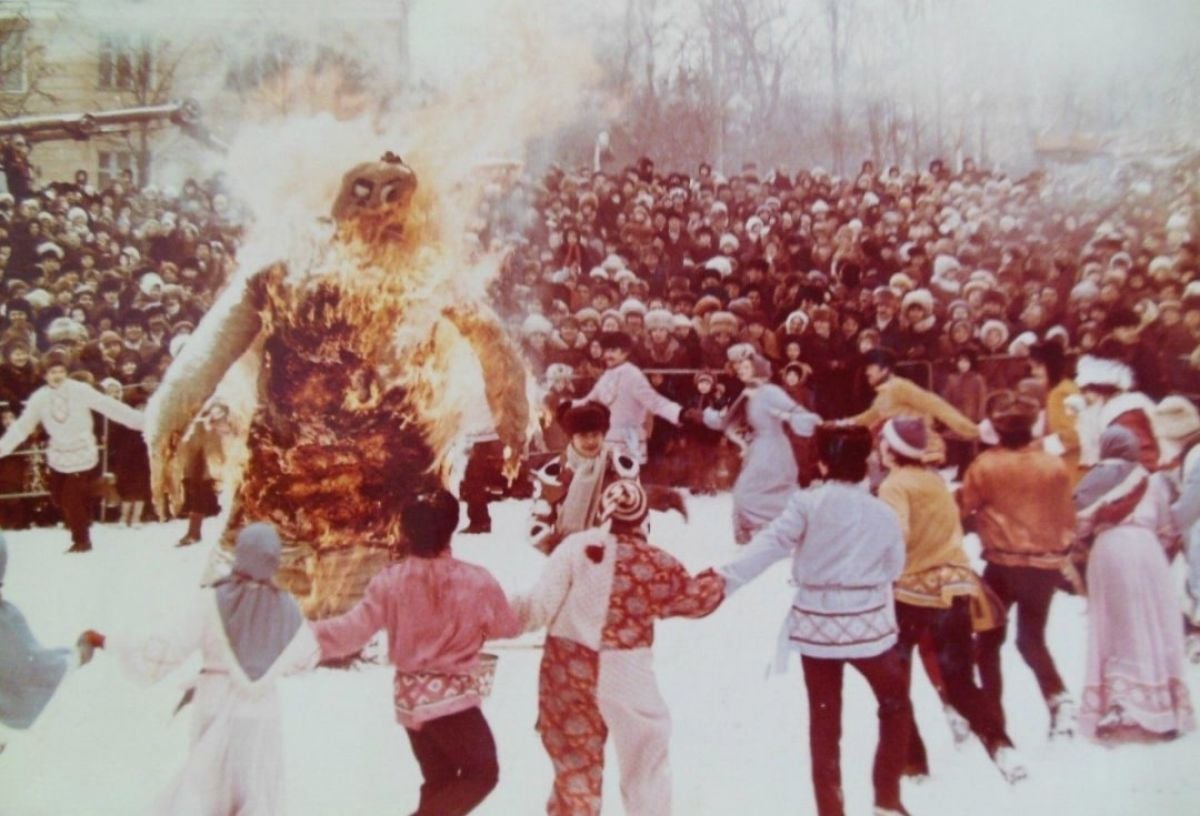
{"x": 1134, "y": 687}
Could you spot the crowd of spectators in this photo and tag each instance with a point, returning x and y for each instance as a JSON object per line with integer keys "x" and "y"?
{"x": 959, "y": 273}
{"x": 116, "y": 277}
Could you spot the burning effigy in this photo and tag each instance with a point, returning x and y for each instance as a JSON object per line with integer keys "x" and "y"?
{"x": 366, "y": 353}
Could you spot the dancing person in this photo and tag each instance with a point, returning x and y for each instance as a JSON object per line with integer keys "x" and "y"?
{"x": 1107, "y": 384}
{"x": 897, "y": 396}
{"x": 934, "y": 594}
{"x": 598, "y": 597}
{"x": 847, "y": 550}
{"x": 1018, "y": 497}
{"x": 437, "y": 612}
{"x": 250, "y": 633}
{"x": 1134, "y": 689}
{"x": 29, "y": 673}
{"x": 755, "y": 421}
{"x": 568, "y": 487}
{"x": 64, "y": 408}
{"x": 630, "y": 398}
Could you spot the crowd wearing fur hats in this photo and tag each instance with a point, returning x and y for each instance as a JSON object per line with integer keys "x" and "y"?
{"x": 116, "y": 275}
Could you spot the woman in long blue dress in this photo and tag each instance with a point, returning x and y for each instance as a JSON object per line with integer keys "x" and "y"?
{"x": 755, "y": 422}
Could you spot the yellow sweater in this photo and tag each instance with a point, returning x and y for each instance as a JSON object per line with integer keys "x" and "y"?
{"x": 936, "y": 567}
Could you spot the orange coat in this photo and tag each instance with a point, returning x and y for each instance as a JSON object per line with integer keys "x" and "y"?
{"x": 1023, "y": 508}
{"x": 900, "y": 397}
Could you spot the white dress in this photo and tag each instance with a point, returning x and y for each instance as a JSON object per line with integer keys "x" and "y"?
{"x": 235, "y": 766}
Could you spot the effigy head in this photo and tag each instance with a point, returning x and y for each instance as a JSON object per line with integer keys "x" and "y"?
{"x": 375, "y": 196}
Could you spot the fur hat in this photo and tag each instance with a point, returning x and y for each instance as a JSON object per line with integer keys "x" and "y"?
{"x": 681, "y": 321}
{"x": 799, "y": 316}
{"x": 918, "y": 297}
{"x": 1093, "y": 370}
{"x": 632, "y": 306}
{"x": 721, "y": 265}
{"x": 624, "y": 502}
{"x": 906, "y": 436}
{"x": 587, "y": 313}
{"x": 1022, "y": 343}
{"x": 658, "y": 319}
{"x": 999, "y": 325}
{"x": 64, "y": 329}
{"x": 536, "y": 324}
{"x": 706, "y": 305}
{"x": 722, "y": 321}
{"x": 1176, "y": 418}
{"x": 584, "y": 417}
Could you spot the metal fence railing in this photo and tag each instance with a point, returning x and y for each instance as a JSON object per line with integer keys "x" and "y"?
{"x": 35, "y": 475}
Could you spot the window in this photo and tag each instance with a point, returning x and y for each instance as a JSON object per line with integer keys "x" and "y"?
{"x": 125, "y": 63}
{"x": 12, "y": 56}
{"x": 112, "y": 163}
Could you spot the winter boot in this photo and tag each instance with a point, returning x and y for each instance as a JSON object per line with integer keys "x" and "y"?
{"x": 1063, "y": 716}
{"x": 1010, "y": 764}
{"x": 959, "y": 727}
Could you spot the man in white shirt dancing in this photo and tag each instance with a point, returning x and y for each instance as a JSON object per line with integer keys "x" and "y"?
{"x": 64, "y": 408}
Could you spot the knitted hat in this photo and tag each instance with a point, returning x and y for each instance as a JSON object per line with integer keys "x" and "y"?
{"x": 624, "y": 502}
{"x": 906, "y": 436}
{"x": 586, "y": 417}
{"x": 659, "y": 319}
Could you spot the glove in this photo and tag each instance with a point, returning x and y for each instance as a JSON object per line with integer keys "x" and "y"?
{"x": 88, "y": 643}
{"x": 692, "y": 416}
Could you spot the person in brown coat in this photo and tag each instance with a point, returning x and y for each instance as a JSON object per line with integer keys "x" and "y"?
{"x": 1019, "y": 498}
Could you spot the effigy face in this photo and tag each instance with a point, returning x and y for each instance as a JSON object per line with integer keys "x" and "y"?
{"x": 375, "y": 200}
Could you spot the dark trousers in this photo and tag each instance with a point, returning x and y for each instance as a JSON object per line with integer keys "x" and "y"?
{"x": 886, "y": 675}
{"x": 1032, "y": 590}
{"x": 457, "y": 756}
{"x": 954, "y": 652}
{"x": 483, "y": 481}
{"x": 73, "y": 494}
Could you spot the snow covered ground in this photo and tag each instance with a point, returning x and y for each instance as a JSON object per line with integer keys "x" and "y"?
{"x": 739, "y": 745}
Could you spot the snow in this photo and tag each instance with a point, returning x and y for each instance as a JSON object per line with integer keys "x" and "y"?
{"x": 105, "y": 745}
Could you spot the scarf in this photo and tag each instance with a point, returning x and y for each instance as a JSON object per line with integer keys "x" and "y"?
{"x": 1113, "y": 488}
{"x": 582, "y": 501}
{"x": 259, "y": 618}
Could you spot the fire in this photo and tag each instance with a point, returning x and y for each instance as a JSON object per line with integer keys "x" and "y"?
{"x": 377, "y": 358}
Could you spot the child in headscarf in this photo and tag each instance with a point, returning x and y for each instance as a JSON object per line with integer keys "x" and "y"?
{"x": 29, "y": 673}
{"x": 250, "y": 633}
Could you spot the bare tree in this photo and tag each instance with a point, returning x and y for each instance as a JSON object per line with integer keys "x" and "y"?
{"x": 24, "y": 68}
{"x": 838, "y": 19}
